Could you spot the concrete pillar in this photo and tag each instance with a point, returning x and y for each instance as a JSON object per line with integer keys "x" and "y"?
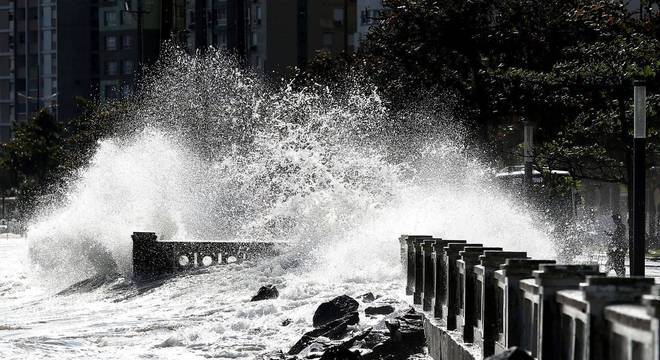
{"x": 410, "y": 260}
{"x": 466, "y": 317}
{"x": 150, "y": 257}
{"x": 428, "y": 275}
{"x": 600, "y": 291}
{"x": 440, "y": 275}
{"x": 486, "y": 330}
{"x": 509, "y": 312}
{"x": 418, "y": 286}
{"x": 451, "y": 301}
{"x": 652, "y": 303}
{"x": 403, "y": 247}
{"x": 550, "y": 279}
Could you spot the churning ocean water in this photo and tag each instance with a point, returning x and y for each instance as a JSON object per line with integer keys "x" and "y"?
{"x": 212, "y": 153}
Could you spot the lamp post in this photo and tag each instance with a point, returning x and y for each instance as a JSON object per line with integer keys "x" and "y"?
{"x": 528, "y": 153}
{"x": 139, "y": 13}
{"x": 637, "y": 255}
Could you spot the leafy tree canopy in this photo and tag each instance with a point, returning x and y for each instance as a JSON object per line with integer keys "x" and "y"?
{"x": 566, "y": 66}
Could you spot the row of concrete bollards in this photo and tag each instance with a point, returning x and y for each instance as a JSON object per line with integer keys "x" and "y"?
{"x": 484, "y": 300}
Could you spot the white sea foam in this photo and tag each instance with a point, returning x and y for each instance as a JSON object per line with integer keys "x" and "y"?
{"x": 216, "y": 154}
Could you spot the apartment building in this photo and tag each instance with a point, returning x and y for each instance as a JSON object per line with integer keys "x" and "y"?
{"x": 131, "y": 32}
{"x": 34, "y": 57}
{"x": 216, "y": 23}
{"x": 53, "y": 51}
{"x": 286, "y": 34}
{"x": 368, "y": 11}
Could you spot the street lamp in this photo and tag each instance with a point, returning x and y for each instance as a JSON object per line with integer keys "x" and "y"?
{"x": 528, "y": 153}
{"x": 139, "y": 13}
{"x": 638, "y": 251}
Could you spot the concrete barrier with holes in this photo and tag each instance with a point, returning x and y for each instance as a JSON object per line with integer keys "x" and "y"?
{"x": 152, "y": 257}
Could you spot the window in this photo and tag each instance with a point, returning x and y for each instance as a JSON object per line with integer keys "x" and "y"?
{"x": 5, "y": 66}
{"x": 328, "y": 39}
{"x": 127, "y": 42}
{"x": 222, "y": 13}
{"x": 127, "y": 18}
{"x": 4, "y": 19}
{"x": 255, "y": 39}
{"x": 46, "y": 17}
{"x": 111, "y": 68}
{"x": 111, "y": 43}
{"x": 5, "y": 113}
{"x": 4, "y": 89}
{"x": 4, "y": 42}
{"x": 45, "y": 40}
{"x": 258, "y": 14}
{"x": 338, "y": 16}
{"x": 127, "y": 67}
{"x": 222, "y": 37}
{"x": 110, "y": 18}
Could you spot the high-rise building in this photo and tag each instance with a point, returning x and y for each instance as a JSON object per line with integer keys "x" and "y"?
{"x": 37, "y": 68}
{"x": 53, "y": 51}
{"x": 217, "y": 23}
{"x": 285, "y": 34}
{"x": 131, "y": 33}
{"x": 368, "y": 13}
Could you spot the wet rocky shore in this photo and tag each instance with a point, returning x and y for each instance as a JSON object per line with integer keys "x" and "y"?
{"x": 337, "y": 334}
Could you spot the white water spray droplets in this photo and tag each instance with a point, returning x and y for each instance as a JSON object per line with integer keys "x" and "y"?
{"x": 215, "y": 154}
{"x": 218, "y": 154}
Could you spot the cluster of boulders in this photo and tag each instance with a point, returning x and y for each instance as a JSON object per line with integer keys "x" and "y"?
{"x": 336, "y": 334}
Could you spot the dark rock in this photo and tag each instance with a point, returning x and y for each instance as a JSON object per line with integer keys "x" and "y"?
{"x": 385, "y": 349}
{"x": 266, "y": 292}
{"x": 359, "y": 336}
{"x": 317, "y": 347}
{"x": 368, "y": 297}
{"x": 275, "y": 355}
{"x": 379, "y": 310}
{"x": 340, "y": 353}
{"x": 334, "y": 309}
{"x": 332, "y": 330}
{"x": 407, "y": 329}
{"x": 513, "y": 353}
{"x": 286, "y": 322}
{"x": 374, "y": 338}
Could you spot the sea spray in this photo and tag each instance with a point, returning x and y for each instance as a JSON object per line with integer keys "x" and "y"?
{"x": 210, "y": 152}
{"x": 214, "y": 153}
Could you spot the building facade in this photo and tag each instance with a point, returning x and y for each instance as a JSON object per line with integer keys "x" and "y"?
{"x": 54, "y": 51}
{"x": 216, "y": 23}
{"x": 33, "y": 61}
{"x": 368, "y": 13}
{"x": 287, "y": 34}
{"x": 131, "y": 32}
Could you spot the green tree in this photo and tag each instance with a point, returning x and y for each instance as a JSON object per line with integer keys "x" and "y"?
{"x": 44, "y": 152}
{"x": 33, "y": 158}
{"x": 567, "y": 66}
